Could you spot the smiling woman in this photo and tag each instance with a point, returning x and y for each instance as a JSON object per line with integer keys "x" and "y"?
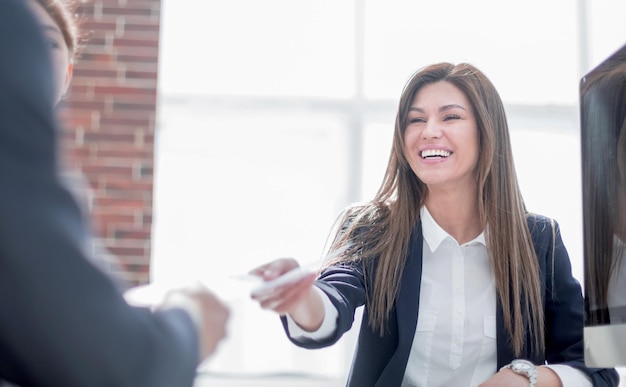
{"x": 460, "y": 284}
{"x": 441, "y": 110}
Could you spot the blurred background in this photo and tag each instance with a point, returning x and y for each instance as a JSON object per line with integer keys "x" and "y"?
{"x": 218, "y": 135}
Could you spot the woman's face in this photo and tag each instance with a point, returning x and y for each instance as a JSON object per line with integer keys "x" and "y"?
{"x": 441, "y": 138}
{"x": 62, "y": 66}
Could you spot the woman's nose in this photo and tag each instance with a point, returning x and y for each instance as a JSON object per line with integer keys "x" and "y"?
{"x": 432, "y": 130}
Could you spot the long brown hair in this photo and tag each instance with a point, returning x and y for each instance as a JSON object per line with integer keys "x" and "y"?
{"x": 380, "y": 229}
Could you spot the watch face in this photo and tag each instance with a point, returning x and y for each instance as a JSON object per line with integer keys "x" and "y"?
{"x": 522, "y": 365}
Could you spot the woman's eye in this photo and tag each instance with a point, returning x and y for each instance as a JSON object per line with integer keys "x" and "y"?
{"x": 416, "y": 120}
{"x": 451, "y": 117}
{"x": 53, "y": 44}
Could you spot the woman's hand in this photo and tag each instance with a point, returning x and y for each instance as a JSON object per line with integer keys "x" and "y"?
{"x": 507, "y": 378}
{"x": 294, "y": 296}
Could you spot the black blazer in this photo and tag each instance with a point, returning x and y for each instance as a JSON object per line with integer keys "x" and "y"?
{"x": 63, "y": 322}
{"x": 381, "y": 361}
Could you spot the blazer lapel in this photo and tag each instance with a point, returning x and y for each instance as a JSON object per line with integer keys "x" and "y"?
{"x": 407, "y": 306}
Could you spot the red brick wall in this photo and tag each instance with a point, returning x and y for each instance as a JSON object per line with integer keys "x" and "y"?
{"x": 110, "y": 114}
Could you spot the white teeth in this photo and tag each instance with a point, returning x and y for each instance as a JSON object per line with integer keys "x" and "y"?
{"x": 435, "y": 153}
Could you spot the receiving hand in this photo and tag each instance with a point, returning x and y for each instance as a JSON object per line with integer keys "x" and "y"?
{"x": 207, "y": 311}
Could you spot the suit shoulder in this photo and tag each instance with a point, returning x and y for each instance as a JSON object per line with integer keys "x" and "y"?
{"x": 539, "y": 224}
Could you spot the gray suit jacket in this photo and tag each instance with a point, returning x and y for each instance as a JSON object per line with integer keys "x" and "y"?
{"x": 63, "y": 322}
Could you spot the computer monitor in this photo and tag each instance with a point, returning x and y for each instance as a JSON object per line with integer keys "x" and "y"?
{"x": 603, "y": 143}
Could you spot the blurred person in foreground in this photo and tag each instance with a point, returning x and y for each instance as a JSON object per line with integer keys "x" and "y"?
{"x": 461, "y": 285}
{"x": 62, "y": 321}
{"x": 63, "y": 37}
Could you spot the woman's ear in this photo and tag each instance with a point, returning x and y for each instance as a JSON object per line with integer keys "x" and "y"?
{"x": 68, "y": 77}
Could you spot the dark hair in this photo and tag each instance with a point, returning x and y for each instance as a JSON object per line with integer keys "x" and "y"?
{"x": 63, "y": 14}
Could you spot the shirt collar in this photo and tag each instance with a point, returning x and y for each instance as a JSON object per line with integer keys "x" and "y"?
{"x": 434, "y": 234}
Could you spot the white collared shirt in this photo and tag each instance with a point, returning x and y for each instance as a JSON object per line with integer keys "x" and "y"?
{"x": 455, "y": 338}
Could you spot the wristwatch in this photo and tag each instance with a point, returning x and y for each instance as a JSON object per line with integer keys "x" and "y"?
{"x": 525, "y": 368}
